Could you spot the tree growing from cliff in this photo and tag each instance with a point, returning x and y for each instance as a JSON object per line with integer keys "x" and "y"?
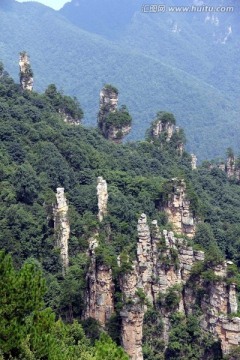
{"x": 63, "y": 103}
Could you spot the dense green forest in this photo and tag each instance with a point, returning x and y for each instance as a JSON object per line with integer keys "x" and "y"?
{"x": 190, "y": 72}
{"x": 40, "y": 310}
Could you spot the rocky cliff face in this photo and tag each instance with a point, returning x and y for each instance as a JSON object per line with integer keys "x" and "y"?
{"x": 26, "y": 74}
{"x": 163, "y": 127}
{"x": 102, "y": 194}
{"x": 163, "y": 263}
{"x": 164, "y": 130}
{"x": 100, "y": 288}
{"x": 114, "y": 124}
{"x": 218, "y": 303}
{"x": 132, "y": 314}
{"x": 231, "y": 167}
{"x": 62, "y": 227}
{"x": 151, "y": 277}
{"x": 178, "y": 209}
{"x": 100, "y": 285}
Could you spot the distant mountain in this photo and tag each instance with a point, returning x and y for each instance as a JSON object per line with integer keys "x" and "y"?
{"x": 159, "y": 61}
{"x": 105, "y": 17}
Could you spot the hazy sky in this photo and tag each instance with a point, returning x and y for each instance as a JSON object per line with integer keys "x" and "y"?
{"x": 55, "y": 4}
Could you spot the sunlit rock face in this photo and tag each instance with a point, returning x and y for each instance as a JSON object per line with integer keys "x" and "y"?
{"x": 102, "y": 194}
{"x": 178, "y": 209}
{"x": 193, "y": 162}
{"x": 26, "y": 75}
{"x": 62, "y": 227}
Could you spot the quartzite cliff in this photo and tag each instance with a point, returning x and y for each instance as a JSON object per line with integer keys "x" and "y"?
{"x": 164, "y": 263}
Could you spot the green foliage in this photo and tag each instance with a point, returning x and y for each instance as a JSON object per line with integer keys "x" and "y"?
{"x": 106, "y": 349}
{"x": 170, "y": 300}
{"x": 111, "y": 88}
{"x": 38, "y": 153}
{"x": 141, "y": 296}
{"x": 20, "y": 297}
{"x": 29, "y": 331}
{"x": 187, "y": 341}
{"x": 188, "y": 72}
{"x": 165, "y": 117}
{"x": 118, "y": 119}
{"x": 153, "y": 346}
{"x": 64, "y": 104}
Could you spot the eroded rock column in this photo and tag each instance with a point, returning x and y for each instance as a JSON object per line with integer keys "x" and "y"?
{"x": 62, "y": 227}
{"x": 114, "y": 124}
{"x": 132, "y": 315}
{"x": 178, "y": 209}
{"x": 100, "y": 288}
{"x": 26, "y": 74}
{"x": 102, "y": 194}
{"x": 193, "y": 161}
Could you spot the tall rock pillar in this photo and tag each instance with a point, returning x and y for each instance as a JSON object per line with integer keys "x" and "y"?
{"x": 62, "y": 227}
{"x": 26, "y": 74}
{"x": 102, "y": 194}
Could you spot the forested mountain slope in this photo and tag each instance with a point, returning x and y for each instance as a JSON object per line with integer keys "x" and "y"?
{"x": 40, "y": 153}
{"x": 199, "y": 89}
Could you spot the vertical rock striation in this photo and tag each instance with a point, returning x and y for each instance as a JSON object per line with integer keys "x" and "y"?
{"x": 132, "y": 314}
{"x": 100, "y": 285}
{"x": 178, "y": 209}
{"x": 62, "y": 227}
{"x": 102, "y": 194}
{"x": 230, "y": 167}
{"x": 163, "y": 127}
{"x": 26, "y": 74}
{"x": 163, "y": 263}
{"x": 100, "y": 288}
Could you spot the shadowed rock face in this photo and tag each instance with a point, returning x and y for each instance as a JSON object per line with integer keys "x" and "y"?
{"x": 62, "y": 227}
{"x": 114, "y": 124}
{"x": 26, "y": 75}
{"x": 100, "y": 288}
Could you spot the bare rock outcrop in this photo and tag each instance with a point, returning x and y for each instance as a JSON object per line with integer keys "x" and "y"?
{"x": 26, "y": 74}
{"x": 164, "y": 264}
{"x": 68, "y": 117}
{"x": 114, "y": 124}
{"x": 100, "y": 288}
{"x": 102, "y": 194}
{"x": 164, "y": 131}
{"x": 62, "y": 227}
{"x": 150, "y": 277}
{"x": 193, "y": 161}
{"x": 230, "y": 166}
{"x": 132, "y": 314}
{"x": 161, "y": 127}
{"x": 178, "y": 209}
